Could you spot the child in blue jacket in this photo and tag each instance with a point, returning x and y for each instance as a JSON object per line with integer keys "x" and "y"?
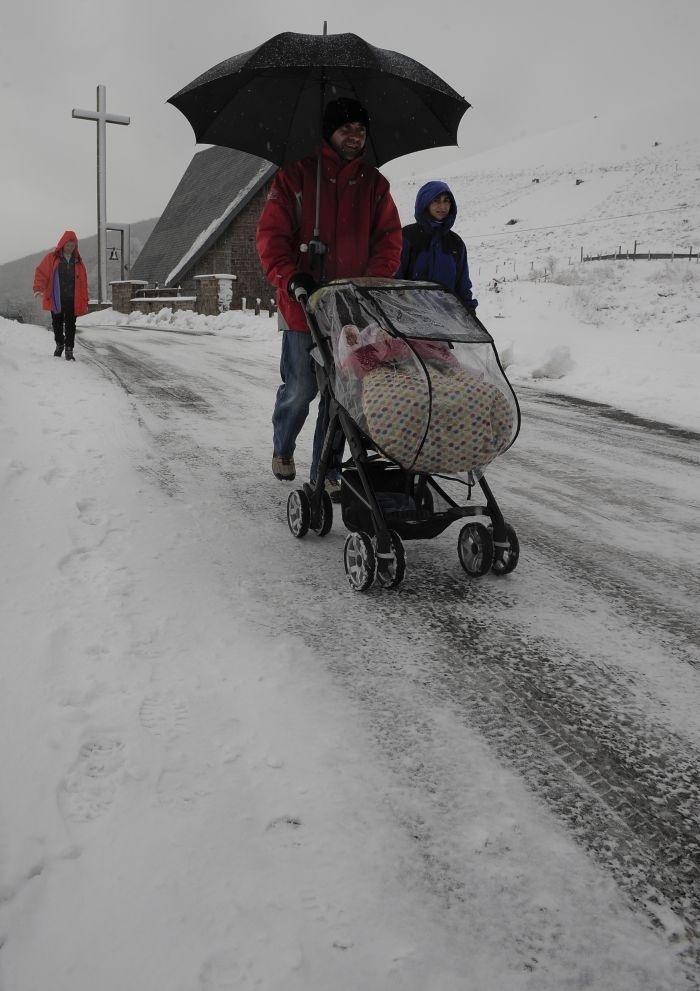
{"x": 431, "y": 250}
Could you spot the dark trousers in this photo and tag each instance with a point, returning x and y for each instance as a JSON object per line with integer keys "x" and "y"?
{"x": 64, "y": 321}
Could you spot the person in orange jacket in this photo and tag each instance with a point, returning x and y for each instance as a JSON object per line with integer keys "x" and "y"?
{"x": 361, "y": 229}
{"x": 61, "y": 281}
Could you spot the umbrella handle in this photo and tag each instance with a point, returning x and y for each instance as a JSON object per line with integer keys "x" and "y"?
{"x": 316, "y": 246}
{"x": 318, "y": 185}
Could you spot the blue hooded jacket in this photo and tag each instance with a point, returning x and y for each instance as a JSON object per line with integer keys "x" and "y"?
{"x": 431, "y": 255}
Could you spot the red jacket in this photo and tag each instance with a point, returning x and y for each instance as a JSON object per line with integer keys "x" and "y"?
{"x": 45, "y": 278}
{"x": 359, "y": 224}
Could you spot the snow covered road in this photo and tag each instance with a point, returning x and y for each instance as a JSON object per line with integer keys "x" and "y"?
{"x": 579, "y": 670}
{"x": 218, "y": 755}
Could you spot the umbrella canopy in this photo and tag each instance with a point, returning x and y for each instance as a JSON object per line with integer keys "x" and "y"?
{"x": 269, "y": 101}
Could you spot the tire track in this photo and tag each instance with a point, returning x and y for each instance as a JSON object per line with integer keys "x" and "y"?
{"x": 555, "y": 707}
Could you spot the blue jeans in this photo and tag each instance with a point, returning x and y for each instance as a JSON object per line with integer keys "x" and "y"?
{"x": 294, "y": 396}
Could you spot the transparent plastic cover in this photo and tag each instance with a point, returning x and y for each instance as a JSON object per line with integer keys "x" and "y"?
{"x": 417, "y": 373}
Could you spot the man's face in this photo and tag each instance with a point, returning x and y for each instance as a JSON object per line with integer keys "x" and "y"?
{"x": 349, "y": 140}
{"x": 69, "y": 247}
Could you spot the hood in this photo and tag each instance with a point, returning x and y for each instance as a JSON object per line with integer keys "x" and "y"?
{"x": 426, "y": 194}
{"x": 67, "y": 236}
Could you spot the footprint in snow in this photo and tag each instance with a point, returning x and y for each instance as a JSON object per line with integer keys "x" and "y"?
{"x": 83, "y": 551}
{"x": 89, "y": 788}
{"x": 231, "y": 969}
{"x": 15, "y": 469}
{"x": 53, "y": 475}
{"x": 86, "y": 513}
{"x": 164, "y": 716}
{"x": 182, "y": 788}
{"x": 286, "y": 830}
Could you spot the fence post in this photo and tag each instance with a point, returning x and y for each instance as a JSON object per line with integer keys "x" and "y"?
{"x": 257, "y": 307}
{"x": 635, "y": 249}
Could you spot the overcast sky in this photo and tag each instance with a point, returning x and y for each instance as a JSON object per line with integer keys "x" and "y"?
{"x": 524, "y": 67}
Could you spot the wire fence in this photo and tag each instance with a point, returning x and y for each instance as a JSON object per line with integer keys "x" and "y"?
{"x": 514, "y": 269}
{"x": 685, "y": 254}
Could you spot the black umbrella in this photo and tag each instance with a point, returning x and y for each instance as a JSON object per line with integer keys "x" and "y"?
{"x": 269, "y": 101}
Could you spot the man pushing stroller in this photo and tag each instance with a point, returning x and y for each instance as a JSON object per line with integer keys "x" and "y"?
{"x": 360, "y": 228}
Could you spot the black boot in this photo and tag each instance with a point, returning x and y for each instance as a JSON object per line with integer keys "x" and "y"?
{"x": 69, "y": 354}
{"x": 59, "y": 351}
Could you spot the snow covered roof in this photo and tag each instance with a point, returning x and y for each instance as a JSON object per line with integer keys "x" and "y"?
{"x": 216, "y": 186}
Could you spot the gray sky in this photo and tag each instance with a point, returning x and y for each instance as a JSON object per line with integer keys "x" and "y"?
{"x": 525, "y": 68}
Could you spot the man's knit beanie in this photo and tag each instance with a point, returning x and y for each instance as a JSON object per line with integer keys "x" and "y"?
{"x": 343, "y": 111}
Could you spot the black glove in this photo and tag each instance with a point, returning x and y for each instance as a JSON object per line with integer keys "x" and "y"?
{"x": 301, "y": 284}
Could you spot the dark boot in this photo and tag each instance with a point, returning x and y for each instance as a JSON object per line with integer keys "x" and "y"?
{"x": 59, "y": 351}
{"x": 69, "y": 354}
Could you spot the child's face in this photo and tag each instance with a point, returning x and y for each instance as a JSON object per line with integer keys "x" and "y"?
{"x": 351, "y": 336}
{"x": 440, "y": 206}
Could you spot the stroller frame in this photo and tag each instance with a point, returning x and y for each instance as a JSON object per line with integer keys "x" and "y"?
{"x": 375, "y": 550}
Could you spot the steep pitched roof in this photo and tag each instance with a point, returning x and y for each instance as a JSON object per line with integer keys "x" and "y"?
{"x": 216, "y": 186}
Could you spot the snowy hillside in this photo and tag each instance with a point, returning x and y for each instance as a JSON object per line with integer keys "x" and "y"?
{"x": 639, "y": 179}
{"x": 606, "y": 331}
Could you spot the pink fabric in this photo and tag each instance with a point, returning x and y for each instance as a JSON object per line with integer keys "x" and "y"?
{"x": 361, "y": 351}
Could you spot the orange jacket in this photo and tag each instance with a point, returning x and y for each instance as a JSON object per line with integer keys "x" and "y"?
{"x": 46, "y": 278}
{"x": 359, "y": 224}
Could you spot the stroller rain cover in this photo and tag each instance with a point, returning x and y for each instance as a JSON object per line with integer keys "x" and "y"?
{"x": 417, "y": 373}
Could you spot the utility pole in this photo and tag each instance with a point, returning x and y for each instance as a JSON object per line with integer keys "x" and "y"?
{"x": 102, "y": 118}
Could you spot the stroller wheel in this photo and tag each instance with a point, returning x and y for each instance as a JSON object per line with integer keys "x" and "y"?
{"x": 391, "y": 568}
{"x": 506, "y": 554}
{"x": 475, "y": 549}
{"x": 298, "y": 513}
{"x": 360, "y": 562}
{"x": 325, "y": 518}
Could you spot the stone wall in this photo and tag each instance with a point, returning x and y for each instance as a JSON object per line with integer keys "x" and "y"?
{"x": 214, "y": 293}
{"x": 235, "y": 252}
{"x": 154, "y": 304}
{"x": 122, "y": 293}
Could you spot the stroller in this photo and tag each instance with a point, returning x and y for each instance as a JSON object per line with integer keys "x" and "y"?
{"x": 417, "y": 390}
